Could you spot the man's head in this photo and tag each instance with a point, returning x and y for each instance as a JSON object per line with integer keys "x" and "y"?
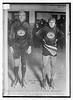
{"x": 42, "y": 21}
{"x": 52, "y": 22}
{"x": 22, "y": 16}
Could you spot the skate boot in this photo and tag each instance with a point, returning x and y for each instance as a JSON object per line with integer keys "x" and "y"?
{"x": 48, "y": 80}
{"x": 51, "y": 84}
{"x": 14, "y": 84}
{"x": 43, "y": 84}
{"x": 23, "y": 82}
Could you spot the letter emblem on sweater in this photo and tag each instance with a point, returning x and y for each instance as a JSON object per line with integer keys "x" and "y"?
{"x": 50, "y": 35}
{"x": 21, "y": 32}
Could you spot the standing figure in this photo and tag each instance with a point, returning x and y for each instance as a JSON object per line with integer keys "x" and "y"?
{"x": 20, "y": 45}
{"x": 37, "y": 26}
{"x": 49, "y": 35}
{"x": 35, "y": 29}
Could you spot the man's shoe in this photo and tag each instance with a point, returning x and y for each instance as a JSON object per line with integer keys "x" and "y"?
{"x": 23, "y": 83}
{"x": 48, "y": 80}
{"x": 51, "y": 84}
{"x": 43, "y": 84}
{"x": 14, "y": 84}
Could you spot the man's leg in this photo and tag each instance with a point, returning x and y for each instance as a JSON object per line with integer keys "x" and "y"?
{"x": 16, "y": 69}
{"x": 48, "y": 70}
{"x": 16, "y": 56}
{"x": 52, "y": 63}
{"x": 44, "y": 71}
{"x": 23, "y": 68}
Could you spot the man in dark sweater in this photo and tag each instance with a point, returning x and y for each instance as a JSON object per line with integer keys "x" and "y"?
{"x": 49, "y": 35}
{"x": 20, "y": 45}
{"x": 37, "y": 26}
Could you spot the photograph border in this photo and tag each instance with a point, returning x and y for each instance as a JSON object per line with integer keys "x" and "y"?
{"x": 69, "y": 55}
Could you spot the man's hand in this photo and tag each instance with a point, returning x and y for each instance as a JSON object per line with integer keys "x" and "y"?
{"x": 29, "y": 50}
{"x": 11, "y": 50}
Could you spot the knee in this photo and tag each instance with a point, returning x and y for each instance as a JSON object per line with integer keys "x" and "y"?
{"x": 23, "y": 63}
{"x": 23, "y": 68}
{"x": 53, "y": 62}
{"x": 44, "y": 70}
{"x": 16, "y": 62}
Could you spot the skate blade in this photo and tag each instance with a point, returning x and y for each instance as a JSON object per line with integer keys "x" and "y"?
{"x": 14, "y": 86}
{"x": 43, "y": 88}
{"x": 25, "y": 82}
{"x": 51, "y": 87}
{"x": 23, "y": 87}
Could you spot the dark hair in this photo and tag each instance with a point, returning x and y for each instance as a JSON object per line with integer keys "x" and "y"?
{"x": 51, "y": 19}
{"x": 22, "y": 12}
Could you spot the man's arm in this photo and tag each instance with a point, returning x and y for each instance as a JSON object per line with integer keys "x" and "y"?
{"x": 29, "y": 39}
{"x": 29, "y": 31}
{"x": 11, "y": 39}
{"x": 41, "y": 33}
{"x": 60, "y": 34}
{"x": 11, "y": 36}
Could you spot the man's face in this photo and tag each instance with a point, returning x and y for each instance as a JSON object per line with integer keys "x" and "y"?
{"x": 52, "y": 23}
{"x": 22, "y": 16}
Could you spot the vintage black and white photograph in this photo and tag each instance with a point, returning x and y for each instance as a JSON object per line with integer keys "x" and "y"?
{"x": 36, "y": 49}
